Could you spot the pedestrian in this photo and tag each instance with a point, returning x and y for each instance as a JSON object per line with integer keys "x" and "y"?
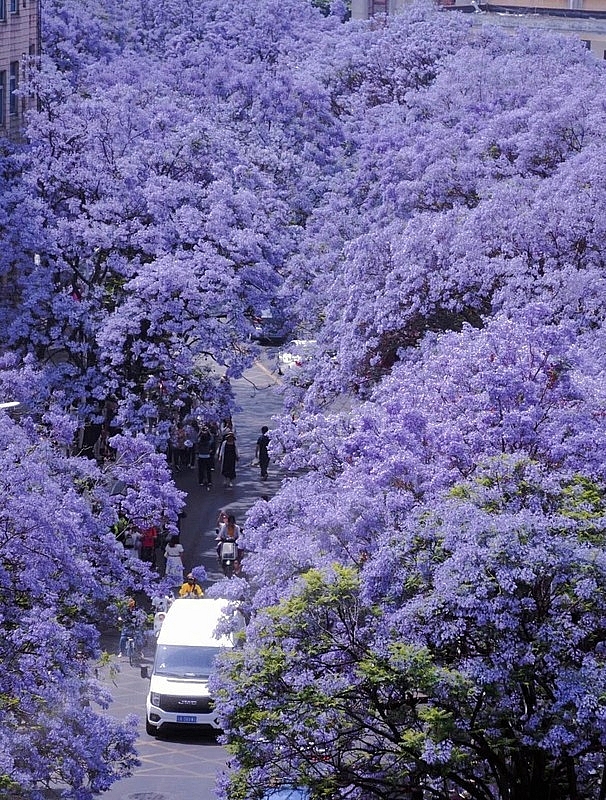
{"x": 148, "y": 543}
{"x": 205, "y": 447}
{"x": 214, "y": 432}
{"x": 190, "y": 588}
{"x": 179, "y": 448}
{"x": 173, "y": 553}
{"x": 229, "y": 457}
{"x": 101, "y": 449}
{"x": 227, "y": 426}
{"x": 261, "y": 453}
{"x": 192, "y": 430}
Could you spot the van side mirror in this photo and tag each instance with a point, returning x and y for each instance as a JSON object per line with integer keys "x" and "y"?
{"x": 146, "y": 671}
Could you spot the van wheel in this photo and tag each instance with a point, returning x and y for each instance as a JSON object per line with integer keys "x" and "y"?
{"x": 150, "y": 730}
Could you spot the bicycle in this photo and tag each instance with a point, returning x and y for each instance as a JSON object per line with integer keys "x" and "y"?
{"x": 130, "y": 650}
{"x": 133, "y": 647}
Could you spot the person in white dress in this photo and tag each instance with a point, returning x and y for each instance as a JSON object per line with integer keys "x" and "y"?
{"x": 173, "y": 553}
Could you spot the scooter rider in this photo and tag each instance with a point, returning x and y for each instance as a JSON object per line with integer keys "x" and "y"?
{"x": 190, "y": 587}
{"x": 229, "y": 532}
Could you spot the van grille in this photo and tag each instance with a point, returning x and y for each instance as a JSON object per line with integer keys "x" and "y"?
{"x": 184, "y": 705}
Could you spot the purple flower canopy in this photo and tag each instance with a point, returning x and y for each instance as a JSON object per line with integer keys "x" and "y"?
{"x": 425, "y": 199}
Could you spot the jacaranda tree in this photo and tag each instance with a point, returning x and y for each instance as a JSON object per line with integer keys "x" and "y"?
{"x": 467, "y": 655}
{"x": 425, "y": 195}
{"x": 63, "y": 576}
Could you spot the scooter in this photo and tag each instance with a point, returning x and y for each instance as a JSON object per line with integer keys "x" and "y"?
{"x": 227, "y": 551}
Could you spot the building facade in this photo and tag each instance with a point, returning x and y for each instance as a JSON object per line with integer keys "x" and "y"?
{"x": 19, "y": 49}
{"x": 584, "y": 19}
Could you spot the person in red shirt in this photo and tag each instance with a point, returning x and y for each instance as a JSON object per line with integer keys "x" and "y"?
{"x": 148, "y": 543}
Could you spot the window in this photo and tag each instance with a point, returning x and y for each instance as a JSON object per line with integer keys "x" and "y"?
{"x": 587, "y": 43}
{"x": 13, "y": 85}
{"x": 2, "y": 98}
{"x": 14, "y": 6}
{"x": 2, "y": 10}
{"x": 378, "y": 7}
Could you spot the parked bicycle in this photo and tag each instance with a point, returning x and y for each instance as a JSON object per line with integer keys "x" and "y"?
{"x": 132, "y": 631}
{"x": 130, "y": 650}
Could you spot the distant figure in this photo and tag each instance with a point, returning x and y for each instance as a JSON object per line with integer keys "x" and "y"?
{"x": 190, "y": 588}
{"x": 174, "y": 561}
{"x": 131, "y": 624}
{"x": 149, "y": 536}
{"x": 205, "y": 447}
{"x": 229, "y": 532}
{"x": 227, "y": 426}
{"x": 179, "y": 449}
{"x": 192, "y": 429}
{"x": 229, "y": 456}
{"x": 261, "y": 452}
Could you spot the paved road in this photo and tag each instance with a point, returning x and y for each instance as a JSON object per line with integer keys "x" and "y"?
{"x": 257, "y": 397}
{"x": 185, "y": 766}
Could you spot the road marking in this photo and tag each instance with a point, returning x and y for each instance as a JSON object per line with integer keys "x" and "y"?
{"x": 269, "y": 374}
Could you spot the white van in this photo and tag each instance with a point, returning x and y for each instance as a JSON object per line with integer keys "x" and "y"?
{"x": 185, "y": 653}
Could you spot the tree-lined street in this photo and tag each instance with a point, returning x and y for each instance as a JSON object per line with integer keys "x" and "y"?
{"x": 258, "y": 400}
{"x": 184, "y": 765}
{"x": 420, "y": 199}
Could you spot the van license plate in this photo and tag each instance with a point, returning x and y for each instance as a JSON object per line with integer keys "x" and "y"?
{"x": 187, "y": 718}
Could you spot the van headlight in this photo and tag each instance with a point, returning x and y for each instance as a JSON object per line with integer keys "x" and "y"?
{"x": 155, "y": 699}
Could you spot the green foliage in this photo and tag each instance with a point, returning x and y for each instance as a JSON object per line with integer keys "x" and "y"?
{"x": 584, "y": 500}
{"x": 353, "y": 698}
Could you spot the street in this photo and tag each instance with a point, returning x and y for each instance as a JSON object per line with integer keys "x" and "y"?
{"x": 184, "y": 766}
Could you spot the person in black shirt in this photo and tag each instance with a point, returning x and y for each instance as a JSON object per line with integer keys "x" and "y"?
{"x": 261, "y": 453}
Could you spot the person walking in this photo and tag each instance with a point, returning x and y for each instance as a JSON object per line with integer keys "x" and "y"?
{"x": 261, "y": 452}
{"x": 229, "y": 457}
{"x": 192, "y": 429}
{"x": 227, "y": 426}
{"x": 173, "y": 553}
{"x": 214, "y": 432}
{"x": 205, "y": 447}
{"x": 179, "y": 449}
{"x": 149, "y": 536}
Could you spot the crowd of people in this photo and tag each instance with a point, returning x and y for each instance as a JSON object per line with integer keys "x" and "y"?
{"x": 208, "y": 448}
{"x": 201, "y": 445}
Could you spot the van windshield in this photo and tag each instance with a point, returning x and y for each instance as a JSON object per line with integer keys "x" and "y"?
{"x": 184, "y": 661}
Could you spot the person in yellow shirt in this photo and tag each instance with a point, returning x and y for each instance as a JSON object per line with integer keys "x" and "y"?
{"x": 190, "y": 588}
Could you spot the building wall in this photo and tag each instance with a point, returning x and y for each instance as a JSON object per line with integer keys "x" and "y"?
{"x": 19, "y": 45}
{"x": 591, "y": 31}
{"x": 364, "y": 9}
{"x": 566, "y": 17}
